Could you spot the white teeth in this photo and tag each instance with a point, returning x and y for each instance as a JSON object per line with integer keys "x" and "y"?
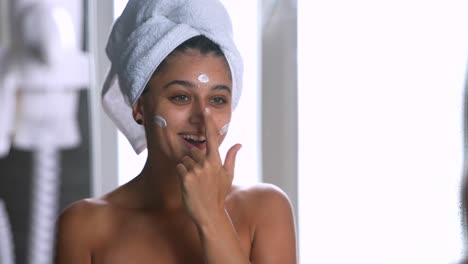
{"x": 194, "y": 138}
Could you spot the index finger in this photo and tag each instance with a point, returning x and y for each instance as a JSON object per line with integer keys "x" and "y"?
{"x": 211, "y": 134}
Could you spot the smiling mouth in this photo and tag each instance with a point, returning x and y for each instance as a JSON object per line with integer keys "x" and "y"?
{"x": 194, "y": 140}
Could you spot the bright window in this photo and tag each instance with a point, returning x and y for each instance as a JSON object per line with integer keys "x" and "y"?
{"x": 244, "y": 127}
{"x": 380, "y": 130}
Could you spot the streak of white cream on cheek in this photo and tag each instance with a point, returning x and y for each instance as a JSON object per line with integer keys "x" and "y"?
{"x": 224, "y": 129}
{"x": 160, "y": 121}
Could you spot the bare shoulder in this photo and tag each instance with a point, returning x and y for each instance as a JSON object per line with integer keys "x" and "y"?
{"x": 262, "y": 198}
{"x": 80, "y": 226}
{"x": 90, "y": 215}
{"x": 90, "y": 209}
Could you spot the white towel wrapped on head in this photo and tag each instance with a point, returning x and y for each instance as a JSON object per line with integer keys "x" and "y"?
{"x": 143, "y": 36}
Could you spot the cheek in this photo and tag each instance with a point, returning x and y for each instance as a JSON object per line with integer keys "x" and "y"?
{"x": 173, "y": 119}
{"x": 222, "y": 122}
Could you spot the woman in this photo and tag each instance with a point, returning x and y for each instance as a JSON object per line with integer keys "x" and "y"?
{"x": 182, "y": 207}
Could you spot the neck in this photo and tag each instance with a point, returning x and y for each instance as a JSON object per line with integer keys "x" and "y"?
{"x": 159, "y": 184}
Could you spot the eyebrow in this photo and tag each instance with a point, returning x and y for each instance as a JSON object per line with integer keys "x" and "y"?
{"x": 193, "y": 86}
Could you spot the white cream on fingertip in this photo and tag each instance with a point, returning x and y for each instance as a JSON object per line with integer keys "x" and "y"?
{"x": 203, "y": 78}
{"x": 160, "y": 121}
{"x": 224, "y": 129}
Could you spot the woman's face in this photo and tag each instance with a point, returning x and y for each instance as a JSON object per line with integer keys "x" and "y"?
{"x": 180, "y": 92}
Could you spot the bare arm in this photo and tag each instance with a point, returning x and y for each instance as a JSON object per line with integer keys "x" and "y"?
{"x": 220, "y": 242}
{"x": 205, "y": 182}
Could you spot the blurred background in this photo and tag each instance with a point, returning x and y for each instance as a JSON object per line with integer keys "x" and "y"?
{"x": 353, "y": 108}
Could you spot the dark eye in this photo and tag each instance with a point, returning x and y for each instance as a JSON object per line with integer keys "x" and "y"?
{"x": 180, "y": 98}
{"x": 218, "y": 100}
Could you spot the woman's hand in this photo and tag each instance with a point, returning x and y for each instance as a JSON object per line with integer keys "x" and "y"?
{"x": 205, "y": 181}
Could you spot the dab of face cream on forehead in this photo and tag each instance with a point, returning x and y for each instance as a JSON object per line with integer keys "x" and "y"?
{"x": 203, "y": 78}
{"x": 160, "y": 121}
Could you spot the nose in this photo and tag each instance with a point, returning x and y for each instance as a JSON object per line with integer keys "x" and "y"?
{"x": 196, "y": 112}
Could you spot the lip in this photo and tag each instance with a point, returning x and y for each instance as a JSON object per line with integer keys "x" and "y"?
{"x": 190, "y": 145}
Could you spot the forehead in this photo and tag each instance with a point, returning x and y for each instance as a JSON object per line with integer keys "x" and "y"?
{"x": 187, "y": 67}
{"x": 193, "y": 62}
